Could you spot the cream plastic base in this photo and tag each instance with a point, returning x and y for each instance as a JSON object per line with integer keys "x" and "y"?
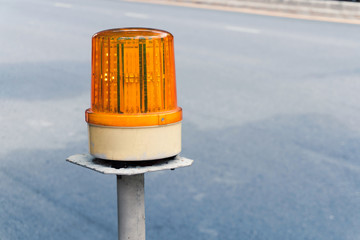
{"x": 135, "y": 144}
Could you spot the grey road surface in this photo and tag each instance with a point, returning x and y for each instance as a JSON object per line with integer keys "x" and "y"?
{"x": 271, "y": 116}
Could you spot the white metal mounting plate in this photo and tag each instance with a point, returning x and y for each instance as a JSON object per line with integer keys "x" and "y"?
{"x": 128, "y": 168}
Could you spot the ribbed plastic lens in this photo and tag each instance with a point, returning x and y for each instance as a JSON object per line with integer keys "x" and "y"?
{"x": 133, "y": 72}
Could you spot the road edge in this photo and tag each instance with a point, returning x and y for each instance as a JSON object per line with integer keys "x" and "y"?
{"x": 270, "y": 11}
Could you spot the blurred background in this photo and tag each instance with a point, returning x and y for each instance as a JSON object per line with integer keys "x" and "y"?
{"x": 271, "y": 117}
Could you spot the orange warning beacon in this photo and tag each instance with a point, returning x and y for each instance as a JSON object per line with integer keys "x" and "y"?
{"x": 134, "y": 114}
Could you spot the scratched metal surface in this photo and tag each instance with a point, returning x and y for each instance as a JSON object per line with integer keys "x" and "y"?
{"x": 129, "y": 168}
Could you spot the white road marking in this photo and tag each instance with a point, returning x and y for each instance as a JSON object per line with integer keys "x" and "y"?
{"x": 241, "y": 29}
{"x": 136, "y": 15}
{"x": 199, "y": 197}
{"x": 209, "y": 231}
{"x": 39, "y": 123}
{"x": 62, "y": 5}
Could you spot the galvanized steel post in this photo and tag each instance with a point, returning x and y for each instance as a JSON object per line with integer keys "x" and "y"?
{"x": 131, "y": 207}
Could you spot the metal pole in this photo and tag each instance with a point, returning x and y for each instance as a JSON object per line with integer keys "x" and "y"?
{"x": 130, "y": 189}
{"x": 131, "y": 207}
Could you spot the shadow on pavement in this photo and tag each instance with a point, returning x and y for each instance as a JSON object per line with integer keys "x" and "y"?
{"x": 44, "y": 80}
{"x": 289, "y": 177}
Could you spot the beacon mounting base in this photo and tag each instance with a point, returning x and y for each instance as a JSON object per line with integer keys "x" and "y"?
{"x": 130, "y": 187}
{"x": 135, "y": 143}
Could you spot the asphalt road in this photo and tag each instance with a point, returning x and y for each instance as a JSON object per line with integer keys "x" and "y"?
{"x": 271, "y": 116}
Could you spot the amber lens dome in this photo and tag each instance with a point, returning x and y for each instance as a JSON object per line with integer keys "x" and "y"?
{"x": 133, "y": 78}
